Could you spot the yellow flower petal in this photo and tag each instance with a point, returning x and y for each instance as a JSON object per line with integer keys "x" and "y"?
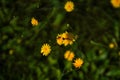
{"x": 59, "y": 39}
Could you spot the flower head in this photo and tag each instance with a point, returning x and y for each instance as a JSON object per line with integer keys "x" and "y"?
{"x": 115, "y": 3}
{"x": 78, "y": 63}
{"x": 65, "y": 38}
{"x": 69, "y": 6}
{"x": 68, "y": 38}
{"x": 69, "y": 55}
{"x": 45, "y": 49}
{"x": 34, "y": 21}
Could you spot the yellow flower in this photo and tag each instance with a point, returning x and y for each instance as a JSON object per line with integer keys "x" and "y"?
{"x": 69, "y": 55}
{"x": 65, "y": 38}
{"x": 78, "y": 63}
{"x": 115, "y": 3}
{"x": 45, "y": 49}
{"x": 59, "y": 39}
{"x": 111, "y": 45}
{"x": 68, "y": 38}
{"x": 34, "y": 21}
{"x": 69, "y": 6}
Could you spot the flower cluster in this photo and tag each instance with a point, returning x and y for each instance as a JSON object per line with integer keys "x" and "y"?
{"x": 65, "y": 38}
{"x": 69, "y": 55}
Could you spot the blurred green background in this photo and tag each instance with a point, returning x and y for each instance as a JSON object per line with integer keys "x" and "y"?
{"x": 95, "y": 22}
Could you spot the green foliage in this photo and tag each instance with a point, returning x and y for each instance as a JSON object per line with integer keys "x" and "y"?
{"x": 95, "y": 22}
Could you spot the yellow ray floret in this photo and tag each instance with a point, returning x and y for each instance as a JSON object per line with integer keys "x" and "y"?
{"x": 78, "y": 62}
{"x": 69, "y": 55}
{"x": 34, "y": 21}
{"x": 69, "y": 6}
{"x": 59, "y": 39}
{"x": 45, "y": 49}
{"x": 115, "y": 3}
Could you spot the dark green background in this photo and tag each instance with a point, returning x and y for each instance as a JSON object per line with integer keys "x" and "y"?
{"x": 95, "y": 22}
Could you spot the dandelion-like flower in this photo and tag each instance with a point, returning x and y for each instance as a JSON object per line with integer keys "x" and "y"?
{"x": 69, "y": 55}
{"x": 69, "y": 6}
{"x": 34, "y": 21}
{"x": 115, "y": 3}
{"x": 65, "y": 38}
{"x": 78, "y": 62}
{"x": 68, "y": 38}
{"x": 45, "y": 49}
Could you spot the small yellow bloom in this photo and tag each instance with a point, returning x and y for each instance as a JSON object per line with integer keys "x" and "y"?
{"x": 78, "y": 63}
{"x": 69, "y": 6}
{"x": 45, "y": 49}
{"x": 69, "y": 55}
{"x": 111, "y": 45}
{"x": 34, "y": 21}
{"x": 115, "y": 3}
{"x": 59, "y": 39}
